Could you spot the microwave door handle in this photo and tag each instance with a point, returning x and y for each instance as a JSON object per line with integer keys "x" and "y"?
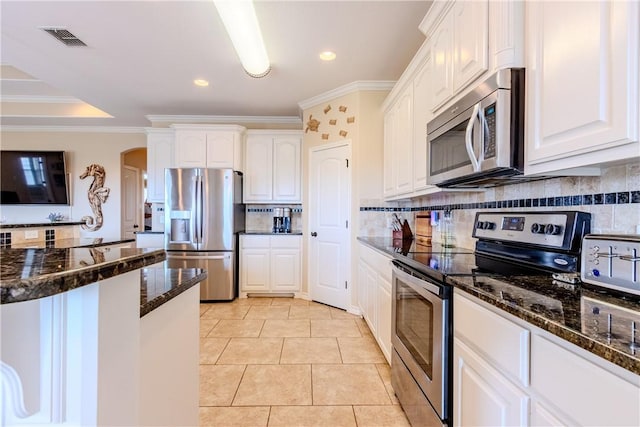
{"x": 468, "y": 139}
{"x": 484, "y": 137}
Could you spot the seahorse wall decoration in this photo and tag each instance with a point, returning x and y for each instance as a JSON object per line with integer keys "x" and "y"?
{"x": 97, "y": 195}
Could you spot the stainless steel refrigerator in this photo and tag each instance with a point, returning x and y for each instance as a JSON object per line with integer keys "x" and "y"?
{"x": 203, "y": 216}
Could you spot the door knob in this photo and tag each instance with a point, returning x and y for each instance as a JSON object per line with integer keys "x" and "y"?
{"x": 314, "y": 234}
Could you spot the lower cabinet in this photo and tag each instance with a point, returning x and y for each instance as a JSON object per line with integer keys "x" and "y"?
{"x": 374, "y": 295}
{"x": 270, "y": 264}
{"x": 508, "y": 372}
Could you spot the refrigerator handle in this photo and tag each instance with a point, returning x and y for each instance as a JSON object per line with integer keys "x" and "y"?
{"x": 198, "y": 209}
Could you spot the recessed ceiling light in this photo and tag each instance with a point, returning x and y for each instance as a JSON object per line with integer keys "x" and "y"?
{"x": 327, "y": 55}
{"x": 201, "y": 82}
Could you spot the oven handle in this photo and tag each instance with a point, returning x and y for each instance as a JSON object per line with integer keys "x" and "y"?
{"x": 399, "y": 270}
{"x": 469, "y": 134}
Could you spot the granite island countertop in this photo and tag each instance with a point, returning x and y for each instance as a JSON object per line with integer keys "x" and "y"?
{"x": 161, "y": 284}
{"x": 561, "y": 309}
{"x": 27, "y": 274}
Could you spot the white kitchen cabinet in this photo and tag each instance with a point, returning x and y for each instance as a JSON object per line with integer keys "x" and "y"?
{"x": 459, "y": 47}
{"x": 374, "y": 295}
{"x": 273, "y": 167}
{"x": 398, "y": 144}
{"x": 509, "y": 372}
{"x": 421, "y": 116}
{"x": 482, "y": 396}
{"x": 506, "y": 34}
{"x": 582, "y": 84}
{"x": 270, "y": 264}
{"x": 215, "y": 146}
{"x": 159, "y": 157}
{"x": 470, "y": 42}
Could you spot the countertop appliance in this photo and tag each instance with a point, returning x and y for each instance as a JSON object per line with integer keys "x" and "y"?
{"x": 612, "y": 261}
{"x": 204, "y": 214}
{"x": 510, "y": 244}
{"x": 479, "y": 141}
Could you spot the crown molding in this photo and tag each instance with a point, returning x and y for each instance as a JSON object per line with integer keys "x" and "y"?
{"x": 159, "y": 118}
{"x": 76, "y": 129}
{"x": 361, "y": 85}
{"x": 29, "y": 99}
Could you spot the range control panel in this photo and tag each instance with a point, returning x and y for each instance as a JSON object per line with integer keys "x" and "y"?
{"x": 557, "y": 229}
{"x": 612, "y": 261}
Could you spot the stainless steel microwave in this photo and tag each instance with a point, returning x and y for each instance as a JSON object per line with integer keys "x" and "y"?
{"x": 479, "y": 141}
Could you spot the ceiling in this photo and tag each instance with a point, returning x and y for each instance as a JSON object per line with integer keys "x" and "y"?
{"x": 142, "y": 56}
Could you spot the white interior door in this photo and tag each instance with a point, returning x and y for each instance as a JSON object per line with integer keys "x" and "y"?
{"x": 329, "y": 219}
{"x": 131, "y": 201}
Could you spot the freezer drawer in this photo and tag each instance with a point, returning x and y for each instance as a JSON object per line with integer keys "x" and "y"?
{"x": 221, "y": 283}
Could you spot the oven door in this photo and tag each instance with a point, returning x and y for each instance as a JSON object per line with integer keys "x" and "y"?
{"x": 421, "y": 332}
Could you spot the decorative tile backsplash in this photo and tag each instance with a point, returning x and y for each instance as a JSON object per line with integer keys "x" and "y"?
{"x": 613, "y": 199}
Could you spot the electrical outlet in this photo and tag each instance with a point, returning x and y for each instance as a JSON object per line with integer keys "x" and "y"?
{"x": 31, "y": 234}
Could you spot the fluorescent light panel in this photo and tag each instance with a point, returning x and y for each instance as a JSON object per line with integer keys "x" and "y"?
{"x": 241, "y": 23}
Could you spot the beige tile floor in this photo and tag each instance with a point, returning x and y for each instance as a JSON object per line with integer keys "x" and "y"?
{"x": 290, "y": 362}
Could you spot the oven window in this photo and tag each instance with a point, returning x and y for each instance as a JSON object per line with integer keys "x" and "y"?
{"x": 448, "y": 151}
{"x": 414, "y": 326}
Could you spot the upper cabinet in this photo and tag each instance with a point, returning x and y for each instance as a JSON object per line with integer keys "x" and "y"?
{"x": 214, "y": 146}
{"x": 421, "y": 116}
{"x": 398, "y": 145}
{"x": 159, "y": 157}
{"x": 582, "y": 84}
{"x": 273, "y": 167}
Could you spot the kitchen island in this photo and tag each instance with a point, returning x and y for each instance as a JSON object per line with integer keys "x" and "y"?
{"x": 81, "y": 329}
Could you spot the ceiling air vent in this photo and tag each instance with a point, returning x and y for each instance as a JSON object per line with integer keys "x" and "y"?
{"x": 65, "y": 36}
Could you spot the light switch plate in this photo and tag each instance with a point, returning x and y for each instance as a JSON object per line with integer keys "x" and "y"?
{"x": 31, "y": 234}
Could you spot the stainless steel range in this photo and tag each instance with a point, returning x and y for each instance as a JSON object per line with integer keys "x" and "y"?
{"x": 509, "y": 243}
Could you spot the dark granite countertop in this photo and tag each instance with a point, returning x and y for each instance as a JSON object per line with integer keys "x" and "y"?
{"x": 269, "y": 233}
{"x": 27, "y": 274}
{"x": 40, "y": 224}
{"x": 576, "y": 313}
{"x": 161, "y": 284}
{"x": 81, "y": 242}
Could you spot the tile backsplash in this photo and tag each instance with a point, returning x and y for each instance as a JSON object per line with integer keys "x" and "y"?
{"x": 260, "y": 217}
{"x": 613, "y": 199}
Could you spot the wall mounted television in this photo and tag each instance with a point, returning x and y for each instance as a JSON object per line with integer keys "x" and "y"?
{"x": 33, "y": 178}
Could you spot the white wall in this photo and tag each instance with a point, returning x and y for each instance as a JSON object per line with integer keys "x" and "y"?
{"x": 82, "y": 149}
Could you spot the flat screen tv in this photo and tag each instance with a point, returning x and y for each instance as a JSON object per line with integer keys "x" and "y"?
{"x": 33, "y": 178}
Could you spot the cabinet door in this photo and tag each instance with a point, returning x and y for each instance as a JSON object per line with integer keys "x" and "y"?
{"x": 159, "y": 155}
{"x": 384, "y": 301}
{"x": 258, "y": 174}
{"x": 506, "y": 34}
{"x": 191, "y": 149}
{"x": 403, "y": 143}
{"x": 254, "y": 270}
{"x": 422, "y": 114}
{"x": 582, "y": 82}
{"x": 481, "y": 395}
{"x": 470, "y": 42}
{"x": 441, "y": 52}
{"x": 221, "y": 149}
{"x": 287, "y": 174}
{"x": 388, "y": 172}
{"x": 285, "y": 270}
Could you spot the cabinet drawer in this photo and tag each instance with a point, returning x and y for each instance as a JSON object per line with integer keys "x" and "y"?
{"x": 587, "y": 393}
{"x": 505, "y": 343}
{"x": 288, "y": 242}
{"x": 254, "y": 241}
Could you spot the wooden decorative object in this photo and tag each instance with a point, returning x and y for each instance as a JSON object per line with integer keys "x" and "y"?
{"x": 343, "y": 133}
{"x": 97, "y": 195}
{"x": 325, "y": 136}
{"x": 351, "y": 119}
{"x": 332, "y": 122}
{"x": 312, "y": 124}
{"x": 342, "y": 109}
{"x": 327, "y": 109}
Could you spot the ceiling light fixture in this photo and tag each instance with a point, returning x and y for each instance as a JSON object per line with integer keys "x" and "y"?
{"x": 327, "y": 55}
{"x": 241, "y": 23}
{"x": 201, "y": 82}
